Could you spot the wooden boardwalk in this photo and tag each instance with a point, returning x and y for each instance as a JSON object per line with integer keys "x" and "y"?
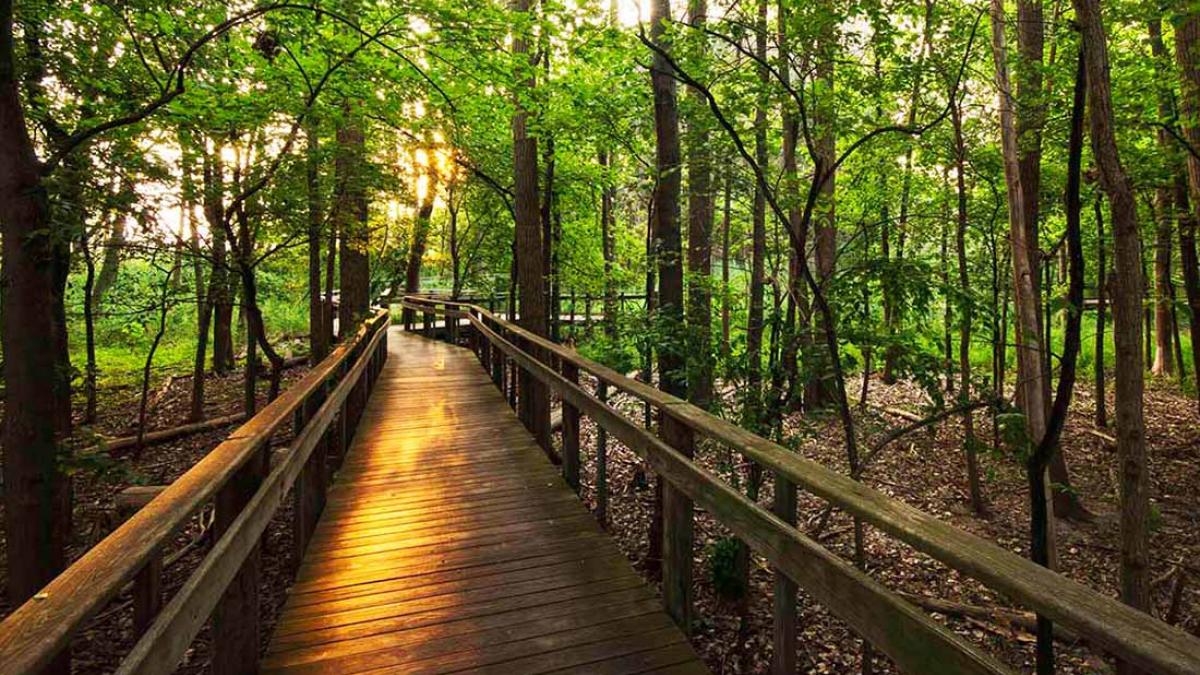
{"x": 450, "y": 543}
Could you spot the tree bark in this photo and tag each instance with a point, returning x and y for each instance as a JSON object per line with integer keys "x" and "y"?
{"x": 819, "y": 387}
{"x": 354, "y": 270}
{"x": 1187, "y": 53}
{"x": 700, "y": 219}
{"x": 1168, "y": 211}
{"x": 607, "y": 245}
{"x": 754, "y": 322}
{"x": 219, "y": 280}
{"x": 965, "y": 308}
{"x": 534, "y": 400}
{"x": 676, "y": 507}
{"x": 1030, "y": 373}
{"x": 420, "y": 236}
{"x": 37, "y": 416}
{"x": 318, "y": 339}
{"x": 1101, "y": 316}
{"x": 1127, "y": 304}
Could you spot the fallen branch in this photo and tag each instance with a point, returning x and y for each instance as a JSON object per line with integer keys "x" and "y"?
{"x": 114, "y": 445}
{"x": 1012, "y": 618}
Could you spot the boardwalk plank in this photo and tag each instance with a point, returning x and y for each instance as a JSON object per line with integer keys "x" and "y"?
{"x": 450, "y": 543}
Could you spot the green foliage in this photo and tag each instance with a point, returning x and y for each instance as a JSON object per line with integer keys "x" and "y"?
{"x": 724, "y": 567}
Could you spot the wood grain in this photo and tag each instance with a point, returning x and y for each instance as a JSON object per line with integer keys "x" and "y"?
{"x": 449, "y": 542}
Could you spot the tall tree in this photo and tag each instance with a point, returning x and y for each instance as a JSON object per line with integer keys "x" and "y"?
{"x": 1168, "y": 211}
{"x": 758, "y": 236}
{"x": 700, "y": 221}
{"x": 668, "y": 253}
{"x": 37, "y": 415}
{"x": 318, "y": 338}
{"x": 1032, "y": 390}
{"x": 1187, "y": 53}
{"x": 1127, "y": 289}
{"x": 351, "y": 215}
{"x": 534, "y": 399}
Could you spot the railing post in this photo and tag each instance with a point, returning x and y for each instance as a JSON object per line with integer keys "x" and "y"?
{"x": 573, "y": 333}
{"x": 497, "y": 359}
{"x": 147, "y": 594}
{"x": 452, "y": 323}
{"x": 484, "y": 347}
{"x": 308, "y": 493}
{"x": 677, "y": 531}
{"x": 511, "y": 379}
{"x": 570, "y": 430}
{"x": 236, "y": 625}
{"x": 783, "y": 659}
{"x": 602, "y": 460}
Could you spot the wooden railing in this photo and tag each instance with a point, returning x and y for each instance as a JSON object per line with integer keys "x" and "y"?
{"x": 248, "y": 486}
{"x": 911, "y": 638}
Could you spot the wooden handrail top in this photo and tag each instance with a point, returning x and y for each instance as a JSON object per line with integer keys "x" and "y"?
{"x": 41, "y": 628}
{"x": 1123, "y": 631}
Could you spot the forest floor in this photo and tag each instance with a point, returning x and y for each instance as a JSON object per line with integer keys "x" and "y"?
{"x": 926, "y": 469}
{"x": 110, "y": 635}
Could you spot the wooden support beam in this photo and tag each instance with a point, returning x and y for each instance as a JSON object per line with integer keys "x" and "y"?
{"x": 147, "y": 594}
{"x": 236, "y": 622}
{"x": 678, "y": 532}
{"x": 570, "y": 431}
{"x": 783, "y": 657}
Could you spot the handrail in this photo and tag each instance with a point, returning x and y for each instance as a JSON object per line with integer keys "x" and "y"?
{"x": 1123, "y": 631}
{"x": 37, "y": 632}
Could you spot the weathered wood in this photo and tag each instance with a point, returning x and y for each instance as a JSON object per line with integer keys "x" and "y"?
{"x": 236, "y": 622}
{"x": 510, "y": 571}
{"x": 677, "y": 531}
{"x": 570, "y": 432}
{"x": 602, "y": 460}
{"x": 229, "y": 562}
{"x": 783, "y": 656}
{"x": 34, "y": 633}
{"x": 147, "y": 595}
{"x": 131, "y": 499}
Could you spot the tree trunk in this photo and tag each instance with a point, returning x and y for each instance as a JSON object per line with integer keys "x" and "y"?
{"x": 1127, "y": 304}
{"x": 818, "y": 390}
{"x": 1164, "y": 197}
{"x": 318, "y": 339}
{"x": 1101, "y": 316}
{"x": 354, "y": 272}
{"x": 420, "y": 236}
{"x": 89, "y": 327}
{"x": 965, "y": 308}
{"x": 700, "y": 219}
{"x": 1030, "y": 373}
{"x": 534, "y": 399}
{"x": 726, "y": 310}
{"x": 607, "y": 245}
{"x": 111, "y": 262}
{"x": 1187, "y": 53}
{"x": 37, "y": 415}
{"x": 219, "y": 281}
{"x": 676, "y": 509}
{"x": 754, "y": 323}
